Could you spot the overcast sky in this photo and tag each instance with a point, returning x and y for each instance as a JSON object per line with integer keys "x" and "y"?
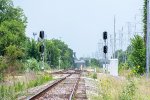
{"x": 79, "y": 23}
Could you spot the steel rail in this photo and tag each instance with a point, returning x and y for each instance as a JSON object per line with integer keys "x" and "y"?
{"x": 74, "y": 88}
{"x": 47, "y": 89}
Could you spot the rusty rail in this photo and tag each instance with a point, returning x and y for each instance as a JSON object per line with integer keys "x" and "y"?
{"x": 72, "y": 94}
{"x": 45, "y": 90}
{"x": 74, "y": 89}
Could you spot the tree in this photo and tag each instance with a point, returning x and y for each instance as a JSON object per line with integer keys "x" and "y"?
{"x": 121, "y": 56}
{"x": 95, "y": 62}
{"x": 52, "y": 53}
{"x": 12, "y": 25}
{"x": 13, "y": 54}
{"x": 137, "y": 55}
{"x": 9, "y": 12}
{"x": 32, "y": 48}
{"x": 12, "y": 33}
{"x": 58, "y": 50}
{"x": 66, "y": 53}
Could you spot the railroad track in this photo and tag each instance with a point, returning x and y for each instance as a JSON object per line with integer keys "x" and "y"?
{"x": 67, "y": 72}
{"x": 63, "y": 89}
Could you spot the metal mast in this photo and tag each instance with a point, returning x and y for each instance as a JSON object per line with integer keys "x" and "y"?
{"x": 147, "y": 42}
{"x": 114, "y": 36}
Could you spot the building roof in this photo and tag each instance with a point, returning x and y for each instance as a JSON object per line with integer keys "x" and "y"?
{"x": 79, "y": 61}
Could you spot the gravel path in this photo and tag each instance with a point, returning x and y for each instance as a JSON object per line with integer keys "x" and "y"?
{"x": 91, "y": 87}
{"x": 81, "y": 90}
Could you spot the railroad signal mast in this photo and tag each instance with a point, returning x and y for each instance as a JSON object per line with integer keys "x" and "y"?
{"x": 105, "y": 49}
{"x": 42, "y": 47}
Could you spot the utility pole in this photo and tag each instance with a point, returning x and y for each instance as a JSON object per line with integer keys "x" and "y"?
{"x": 129, "y": 33}
{"x": 122, "y": 38}
{"x": 111, "y": 45}
{"x": 135, "y": 25}
{"x": 147, "y": 42}
{"x": 114, "y": 36}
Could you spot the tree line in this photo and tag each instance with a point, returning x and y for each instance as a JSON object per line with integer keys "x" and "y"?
{"x": 17, "y": 50}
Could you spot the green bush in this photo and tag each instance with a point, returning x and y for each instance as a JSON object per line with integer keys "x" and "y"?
{"x": 137, "y": 56}
{"x": 137, "y": 69}
{"x": 94, "y": 76}
{"x": 123, "y": 66}
{"x": 32, "y": 64}
{"x": 46, "y": 66}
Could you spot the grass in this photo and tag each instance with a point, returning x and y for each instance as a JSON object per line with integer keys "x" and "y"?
{"x": 39, "y": 81}
{"x": 118, "y": 88}
{"x": 92, "y": 75}
{"x": 12, "y": 92}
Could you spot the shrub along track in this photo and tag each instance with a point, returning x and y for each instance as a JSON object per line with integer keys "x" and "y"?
{"x": 71, "y": 87}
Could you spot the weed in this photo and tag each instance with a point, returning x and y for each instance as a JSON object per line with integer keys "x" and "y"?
{"x": 129, "y": 91}
{"x": 12, "y": 92}
{"x": 94, "y": 76}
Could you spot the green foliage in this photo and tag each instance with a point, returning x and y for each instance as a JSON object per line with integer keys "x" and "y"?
{"x": 16, "y": 47}
{"x": 12, "y": 25}
{"x": 56, "y": 49}
{"x": 95, "y": 62}
{"x": 53, "y": 53}
{"x": 129, "y": 52}
{"x": 12, "y": 33}
{"x": 3, "y": 66}
{"x": 13, "y": 53}
{"x": 12, "y": 36}
{"x": 32, "y": 64}
{"x": 12, "y": 92}
{"x": 32, "y": 48}
{"x": 19, "y": 86}
{"x": 137, "y": 56}
{"x": 136, "y": 69}
{"x": 128, "y": 92}
{"x": 9, "y": 12}
{"x": 121, "y": 56}
{"x": 92, "y": 75}
{"x": 95, "y": 76}
{"x": 13, "y": 56}
{"x": 40, "y": 80}
{"x": 123, "y": 66}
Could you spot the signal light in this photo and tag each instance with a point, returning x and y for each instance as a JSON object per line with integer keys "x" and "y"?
{"x": 42, "y": 34}
{"x": 105, "y": 35}
{"x": 41, "y": 49}
{"x": 105, "y": 49}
